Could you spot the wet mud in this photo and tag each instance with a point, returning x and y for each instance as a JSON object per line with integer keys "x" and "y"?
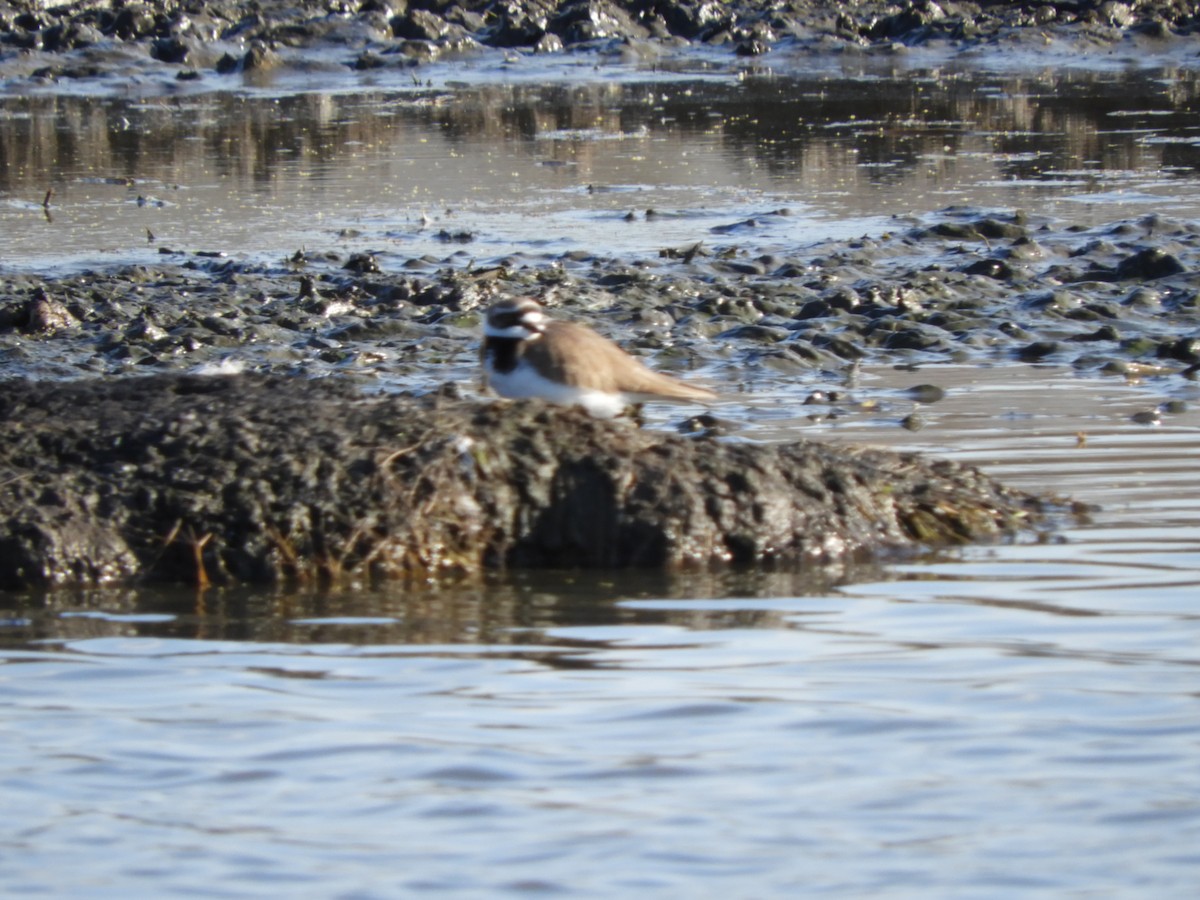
{"x": 228, "y": 38}
{"x": 971, "y": 287}
{"x": 287, "y": 478}
{"x": 246, "y": 478}
{"x": 299, "y": 470}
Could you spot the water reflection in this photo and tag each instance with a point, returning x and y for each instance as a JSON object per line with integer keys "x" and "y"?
{"x": 265, "y": 175}
{"x": 777, "y": 122}
{"x": 518, "y": 609}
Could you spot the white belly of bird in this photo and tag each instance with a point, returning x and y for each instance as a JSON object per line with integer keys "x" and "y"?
{"x": 525, "y": 382}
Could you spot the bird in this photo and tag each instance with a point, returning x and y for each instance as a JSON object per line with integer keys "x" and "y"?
{"x": 526, "y": 353}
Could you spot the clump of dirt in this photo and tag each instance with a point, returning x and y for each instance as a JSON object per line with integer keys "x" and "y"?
{"x": 203, "y": 479}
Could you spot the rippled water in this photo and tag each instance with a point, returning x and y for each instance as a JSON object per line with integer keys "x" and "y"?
{"x": 1002, "y": 721}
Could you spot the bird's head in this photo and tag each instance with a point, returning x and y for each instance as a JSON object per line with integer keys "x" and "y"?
{"x": 521, "y": 320}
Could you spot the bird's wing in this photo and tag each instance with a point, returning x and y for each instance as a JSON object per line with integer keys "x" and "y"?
{"x": 582, "y": 358}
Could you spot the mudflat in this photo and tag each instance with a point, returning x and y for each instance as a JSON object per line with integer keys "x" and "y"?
{"x": 957, "y": 283}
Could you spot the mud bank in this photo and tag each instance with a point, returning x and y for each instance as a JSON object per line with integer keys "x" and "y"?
{"x": 86, "y": 39}
{"x": 256, "y": 479}
{"x": 958, "y": 286}
{"x": 277, "y": 477}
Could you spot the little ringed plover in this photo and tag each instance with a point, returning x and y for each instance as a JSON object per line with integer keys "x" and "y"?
{"x": 525, "y": 353}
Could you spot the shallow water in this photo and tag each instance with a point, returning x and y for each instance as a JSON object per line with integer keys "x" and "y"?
{"x": 549, "y": 168}
{"x": 1009, "y": 719}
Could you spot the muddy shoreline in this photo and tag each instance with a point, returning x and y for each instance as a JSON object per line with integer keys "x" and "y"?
{"x": 220, "y": 479}
{"x": 1120, "y": 299}
{"x": 81, "y": 40}
{"x": 1120, "y": 302}
{"x": 964, "y": 285}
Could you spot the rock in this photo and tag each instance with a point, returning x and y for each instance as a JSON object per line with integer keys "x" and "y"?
{"x": 957, "y": 231}
{"x": 814, "y": 309}
{"x": 1118, "y": 14}
{"x": 1144, "y": 298}
{"x": 41, "y": 314}
{"x": 927, "y": 393}
{"x": 590, "y": 20}
{"x": 841, "y": 347}
{"x": 1185, "y": 349}
{"x": 897, "y": 334}
{"x": 274, "y": 479}
{"x": 228, "y": 64}
{"x": 753, "y": 47}
{"x": 1147, "y": 417}
{"x": 759, "y": 334}
{"x": 695, "y": 19}
{"x": 991, "y": 268}
{"x": 131, "y": 22}
{"x": 518, "y": 24}
{"x": 994, "y": 229}
{"x": 420, "y": 25}
{"x": 69, "y": 36}
{"x": 1038, "y": 351}
{"x": 1103, "y": 333}
{"x": 1148, "y": 264}
{"x": 169, "y": 50}
{"x": 368, "y": 60}
{"x": 259, "y": 57}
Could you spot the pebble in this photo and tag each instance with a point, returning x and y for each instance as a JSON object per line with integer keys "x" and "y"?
{"x": 926, "y": 393}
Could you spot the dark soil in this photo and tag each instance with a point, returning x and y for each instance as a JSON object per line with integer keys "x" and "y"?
{"x": 376, "y": 33}
{"x": 284, "y": 478}
{"x": 218, "y": 479}
{"x": 970, "y": 288}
